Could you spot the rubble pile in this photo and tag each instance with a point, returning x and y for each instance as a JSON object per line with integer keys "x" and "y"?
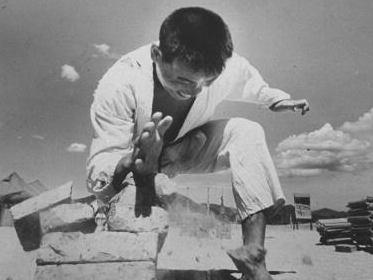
{"x": 70, "y": 245}
{"x": 360, "y": 215}
{"x": 334, "y": 231}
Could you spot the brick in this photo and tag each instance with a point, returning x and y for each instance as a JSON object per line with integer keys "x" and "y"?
{"x": 105, "y": 246}
{"x": 68, "y": 217}
{"x": 26, "y": 214}
{"x": 98, "y": 271}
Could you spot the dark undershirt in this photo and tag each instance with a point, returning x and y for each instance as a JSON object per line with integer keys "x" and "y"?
{"x": 169, "y": 106}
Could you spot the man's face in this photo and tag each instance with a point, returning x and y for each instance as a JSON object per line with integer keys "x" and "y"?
{"x": 180, "y": 81}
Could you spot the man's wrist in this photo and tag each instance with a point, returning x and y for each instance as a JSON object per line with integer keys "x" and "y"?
{"x": 274, "y": 106}
{"x": 143, "y": 180}
{"x": 123, "y": 168}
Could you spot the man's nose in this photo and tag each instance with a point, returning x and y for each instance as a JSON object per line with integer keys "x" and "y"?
{"x": 196, "y": 90}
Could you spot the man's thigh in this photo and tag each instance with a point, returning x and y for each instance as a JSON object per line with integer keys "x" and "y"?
{"x": 195, "y": 152}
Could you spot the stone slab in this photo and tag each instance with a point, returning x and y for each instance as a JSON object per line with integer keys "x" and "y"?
{"x": 26, "y": 214}
{"x": 105, "y": 246}
{"x": 98, "y": 271}
{"x": 43, "y": 201}
{"x": 68, "y": 217}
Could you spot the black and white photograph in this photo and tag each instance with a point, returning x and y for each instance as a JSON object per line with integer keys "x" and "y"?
{"x": 186, "y": 140}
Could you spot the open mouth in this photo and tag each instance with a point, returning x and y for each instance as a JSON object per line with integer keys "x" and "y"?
{"x": 183, "y": 95}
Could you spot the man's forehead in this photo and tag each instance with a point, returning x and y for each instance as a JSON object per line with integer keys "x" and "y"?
{"x": 183, "y": 69}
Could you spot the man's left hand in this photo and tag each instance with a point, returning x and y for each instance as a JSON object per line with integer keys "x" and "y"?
{"x": 291, "y": 105}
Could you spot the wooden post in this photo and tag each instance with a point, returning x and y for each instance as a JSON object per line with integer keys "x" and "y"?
{"x": 208, "y": 200}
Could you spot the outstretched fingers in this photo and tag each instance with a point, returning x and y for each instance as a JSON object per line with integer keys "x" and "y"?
{"x": 156, "y": 118}
{"x": 163, "y": 125}
{"x": 147, "y": 135}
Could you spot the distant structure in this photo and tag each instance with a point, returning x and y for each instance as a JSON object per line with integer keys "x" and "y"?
{"x": 222, "y": 208}
{"x": 13, "y": 190}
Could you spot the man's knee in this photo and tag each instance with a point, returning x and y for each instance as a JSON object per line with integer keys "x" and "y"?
{"x": 244, "y": 126}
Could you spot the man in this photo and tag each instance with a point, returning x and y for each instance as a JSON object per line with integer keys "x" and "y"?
{"x": 151, "y": 113}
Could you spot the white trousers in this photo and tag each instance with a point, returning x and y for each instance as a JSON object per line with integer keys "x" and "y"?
{"x": 238, "y": 144}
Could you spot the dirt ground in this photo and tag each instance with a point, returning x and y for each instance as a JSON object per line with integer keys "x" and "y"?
{"x": 295, "y": 253}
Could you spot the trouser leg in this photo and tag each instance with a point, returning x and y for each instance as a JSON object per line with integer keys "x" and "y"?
{"x": 238, "y": 144}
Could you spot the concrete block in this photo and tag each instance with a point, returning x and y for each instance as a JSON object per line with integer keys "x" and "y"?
{"x": 122, "y": 217}
{"x": 98, "y": 271}
{"x": 162, "y": 184}
{"x": 26, "y": 214}
{"x": 105, "y": 246}
{"x": 68, "y": 217}
{"x": 126, "y": 196}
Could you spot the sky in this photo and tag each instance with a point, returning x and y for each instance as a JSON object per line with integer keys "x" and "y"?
{"x": 53, "y": 53}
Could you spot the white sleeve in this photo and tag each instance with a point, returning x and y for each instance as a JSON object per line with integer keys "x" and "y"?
{"x": 255, "y": 89}
{"x": 112, "y": 116}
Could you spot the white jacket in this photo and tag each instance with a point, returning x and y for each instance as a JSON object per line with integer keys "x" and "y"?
{"x": 123, "y": 104}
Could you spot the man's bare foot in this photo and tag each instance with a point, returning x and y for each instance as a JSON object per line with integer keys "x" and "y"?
{"x": 250, "y": 260}
{"x": 148, "y": 146}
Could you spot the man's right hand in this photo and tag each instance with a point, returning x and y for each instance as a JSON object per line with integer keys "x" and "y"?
{"x": 148, "y": 146}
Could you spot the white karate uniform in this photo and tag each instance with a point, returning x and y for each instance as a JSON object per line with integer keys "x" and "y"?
{"x": 123, "y": 104}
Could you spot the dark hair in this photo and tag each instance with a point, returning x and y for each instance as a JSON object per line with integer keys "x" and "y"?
{"x": 198, "y": 37}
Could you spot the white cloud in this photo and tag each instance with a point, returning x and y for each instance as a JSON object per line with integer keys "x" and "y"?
{"x": 362, "y": 128}
{"x": 326, "y": 149}
{"x": 76, "y": 148}
{"x": 39, "y": 137}
{"x": 69, "y": 73}
{"x": 104, "y": 50}
{"x": 297, "y": 172}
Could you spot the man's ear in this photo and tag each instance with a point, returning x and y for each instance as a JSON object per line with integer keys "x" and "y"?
{"x": 155, "y": 53}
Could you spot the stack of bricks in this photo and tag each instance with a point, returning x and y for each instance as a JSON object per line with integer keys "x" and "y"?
{"x": 70, "y": 247}
{"x": 360, "y": 215}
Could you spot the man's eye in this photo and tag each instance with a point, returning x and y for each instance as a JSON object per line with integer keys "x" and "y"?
{"x": 183, "y": 82}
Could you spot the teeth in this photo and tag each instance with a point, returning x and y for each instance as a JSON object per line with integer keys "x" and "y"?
{"x": 184, "y": 95}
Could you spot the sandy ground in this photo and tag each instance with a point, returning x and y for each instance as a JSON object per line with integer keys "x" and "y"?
{"x": 296, "y": 252}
